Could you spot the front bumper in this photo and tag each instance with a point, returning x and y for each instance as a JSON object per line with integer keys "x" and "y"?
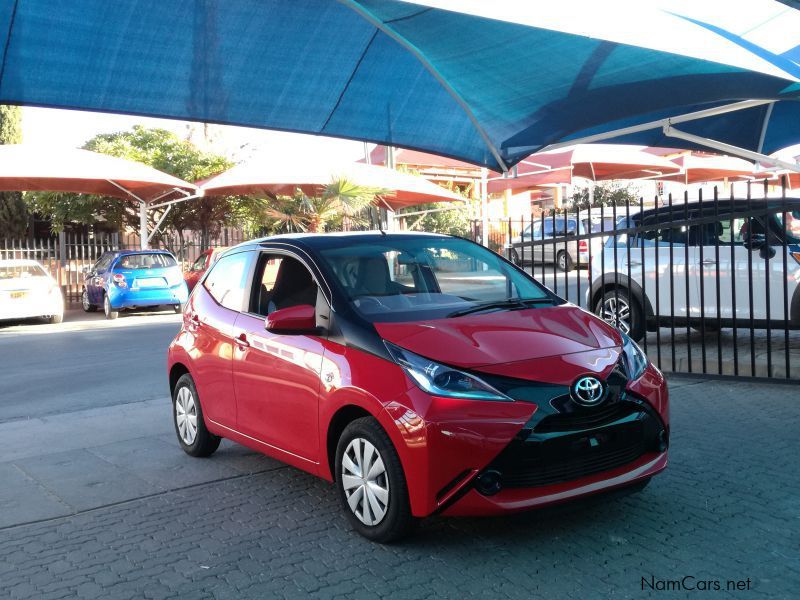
{"x": 31, "y": 307}
{"x": 451, "y": 444}
{"x": 129, "y": 298}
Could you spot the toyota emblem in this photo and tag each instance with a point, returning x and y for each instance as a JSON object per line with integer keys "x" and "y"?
{"x": 588, "y": 391}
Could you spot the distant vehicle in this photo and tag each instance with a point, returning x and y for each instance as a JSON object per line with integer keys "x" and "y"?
{"x": 27, "y": 290}
{"x": 566, "y": 255}
{"x": 201, "y": 265}
{"x": 666, "y": 273}
{"x": 127, "y": 279}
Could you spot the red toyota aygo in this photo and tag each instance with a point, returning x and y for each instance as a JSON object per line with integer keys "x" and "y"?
{"x": 423, "y": 374}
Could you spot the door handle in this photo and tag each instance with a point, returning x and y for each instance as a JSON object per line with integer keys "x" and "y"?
{"x": 634, "y": 263}
{"x": 241, "y": 340}
{"x": 708, "y": 262}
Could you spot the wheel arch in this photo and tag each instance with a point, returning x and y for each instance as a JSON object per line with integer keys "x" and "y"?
{"x": 176, "y": 371}
{"x": 609, "y": 281}
{"x": 343, "y": 416}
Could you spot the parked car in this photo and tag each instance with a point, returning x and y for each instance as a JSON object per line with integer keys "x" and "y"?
{"x": 566, "y": 255}
{"x": 421, "y": 373}
{"x": 27, "y": 290}
{"x": 128, "y": 279}
{"x": 669, "y": 272}
{"x": 201, "y": 265}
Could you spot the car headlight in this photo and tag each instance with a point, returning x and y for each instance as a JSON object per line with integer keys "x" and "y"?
{"x": 635, "y": 359}
{"x": 440, "y": 380}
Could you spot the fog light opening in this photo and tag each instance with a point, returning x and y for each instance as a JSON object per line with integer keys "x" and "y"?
{"x": 489, "y": 482}
{"x": 663, "y": 441}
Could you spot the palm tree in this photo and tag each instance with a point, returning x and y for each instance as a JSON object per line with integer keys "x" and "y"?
{"x": 340, "y": 205}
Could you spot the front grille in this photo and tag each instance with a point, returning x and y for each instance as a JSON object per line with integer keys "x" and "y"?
{"x": 568, "y": 446}
{"x": 586, "y": 419}
{"x": 580, "y": 466}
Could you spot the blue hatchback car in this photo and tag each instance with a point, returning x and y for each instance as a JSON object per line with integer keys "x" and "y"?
{"x": 127, "y": 279}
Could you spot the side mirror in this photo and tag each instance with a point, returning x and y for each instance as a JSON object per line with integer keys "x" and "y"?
{"x": 755, "y": 241}
{"x": 766, "y": 252}
{"x": 297, "y": 320}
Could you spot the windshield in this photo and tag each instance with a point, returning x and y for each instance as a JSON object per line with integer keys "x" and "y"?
{"x": 146, "y": 261}
{"x": 426, "y": 278}
{"x": 792, "y": 224}
{"x": 21, "y": 272}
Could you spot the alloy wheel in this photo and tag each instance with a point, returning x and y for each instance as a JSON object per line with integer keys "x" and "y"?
{"x": 365, "y": 483}
{"x": 186, "y": 416}
{"x": 617, "y": 312}
{"x": 562, "y": 261}
{"x": 85, "y": 300}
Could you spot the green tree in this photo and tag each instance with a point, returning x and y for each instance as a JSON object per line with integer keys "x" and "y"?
{"x": 454, "y": 220}
{"x": 14, "y": 214}
{"x": 608, "y": 194}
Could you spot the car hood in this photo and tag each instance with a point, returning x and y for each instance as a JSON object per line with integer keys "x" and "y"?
{"x": 481, "y": 340}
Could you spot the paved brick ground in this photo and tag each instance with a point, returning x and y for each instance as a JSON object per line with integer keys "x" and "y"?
{"x": 726, "y": 508}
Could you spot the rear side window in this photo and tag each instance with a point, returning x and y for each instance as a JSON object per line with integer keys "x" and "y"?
{"x": 227, "y": 280}
{"x": 21, "y": 272}
{"x": 146, "y": 261}
{"x": 104, "y": 262}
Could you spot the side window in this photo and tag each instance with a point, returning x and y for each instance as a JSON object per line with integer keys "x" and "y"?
{"x": 104, "y": 262}
{"x": 280, "y": 282}
{"x": 200, "y": 263}
{"x": 730, "y": 235}
{"x": 656, "y": 235}
{"x": 227, "y": 280}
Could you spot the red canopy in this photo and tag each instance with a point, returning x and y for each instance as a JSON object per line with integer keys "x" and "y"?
{"x": 270, "y": 177}
{"x": 699, "y": 168}
{"x": 596, "y": 162}
{"x": 47, "y": 169}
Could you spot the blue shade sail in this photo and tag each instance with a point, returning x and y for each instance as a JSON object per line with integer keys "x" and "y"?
{"x": 482, "y": 90}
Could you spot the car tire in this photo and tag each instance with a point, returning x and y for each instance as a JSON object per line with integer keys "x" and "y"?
{"x": 617, "y": 308}
{"x": 514, "y": 257}
{"x": 109, "y": 312}
{"x": 564, "y": 261}
{"x": 363, "y": 503}
{"x": 87, "y": 306}
{"x": 187, "y": 417}
{"x": 55, "y": 319}
{"x": 178, "y": 308}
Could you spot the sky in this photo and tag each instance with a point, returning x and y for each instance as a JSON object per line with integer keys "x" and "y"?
{"x": 72, "y": 128}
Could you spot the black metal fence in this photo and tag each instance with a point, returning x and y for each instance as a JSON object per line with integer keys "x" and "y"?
{"x": 65, "y": 256}
{"x": 705, "y": 285}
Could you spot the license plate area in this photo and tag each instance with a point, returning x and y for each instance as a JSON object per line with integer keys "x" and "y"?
{"x": 150, "y": 282}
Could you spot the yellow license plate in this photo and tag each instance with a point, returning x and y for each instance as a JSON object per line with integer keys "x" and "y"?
{"x": 18, "y": 295}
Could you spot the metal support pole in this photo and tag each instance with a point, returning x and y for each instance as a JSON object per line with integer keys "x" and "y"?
{"x": 143, "y": 225}
{"x": 735, "y": 150}
{"x": 700, "y": 114}
{"x": 484, "y": 208}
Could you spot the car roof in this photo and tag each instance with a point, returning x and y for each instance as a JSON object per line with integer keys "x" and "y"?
{"x": 320, "y": 241}
{"x": 129, "y": 252}
{"x": 724, "y": 206}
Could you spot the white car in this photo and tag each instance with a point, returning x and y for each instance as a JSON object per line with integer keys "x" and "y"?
{"x": 701, "y": 265}
{"x": 27, "y": 290}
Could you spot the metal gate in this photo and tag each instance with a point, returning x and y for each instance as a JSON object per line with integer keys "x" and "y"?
{"x": 707, "y": 286}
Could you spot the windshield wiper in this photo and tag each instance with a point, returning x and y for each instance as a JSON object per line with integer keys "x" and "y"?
{"x": 511, "y": 304}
